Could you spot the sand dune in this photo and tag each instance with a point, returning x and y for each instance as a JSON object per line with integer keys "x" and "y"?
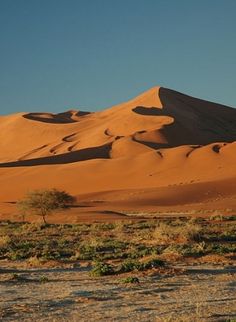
{"x": 158, "y": 140}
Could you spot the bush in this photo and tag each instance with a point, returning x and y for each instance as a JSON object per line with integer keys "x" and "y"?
{"x": 133, "y": 265}
{"x": 129, "y": 266}
{"x": 4, "y": 241}
{"x": 153, "y": 263}
{"x": 43, "y": 279}
{"x": 166, "y": 233}
{"x": 101, "y": 269}
{"x": 130, "y": 280}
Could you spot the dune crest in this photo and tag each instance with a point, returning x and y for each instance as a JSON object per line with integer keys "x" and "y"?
{"x": 158, "y": 118}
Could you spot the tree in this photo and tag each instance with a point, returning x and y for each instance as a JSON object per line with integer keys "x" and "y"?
{"x": 43, "y": 202}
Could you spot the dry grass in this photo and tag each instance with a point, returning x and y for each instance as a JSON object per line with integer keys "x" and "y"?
{"x": 4, "y": 241}
{"x": 125, "y": 250}
{"x": 180, "y": 233}
{"x": 174, "y": 240}
{"x": 34, "y": 262}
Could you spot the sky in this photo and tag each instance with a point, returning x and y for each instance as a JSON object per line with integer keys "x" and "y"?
{"x": 57, "y": 55}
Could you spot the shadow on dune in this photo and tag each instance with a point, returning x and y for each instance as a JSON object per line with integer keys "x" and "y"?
{"x": 153, "y": 111}
{"x": 99, "y": 152}
{"x": 111, "y": 212}
{"x": 196, "y": 122}
{"x": 10, "y": 202}
{"x": 60, "y": 118}
{"x": 81, "y": 206}
{"x": 193, "y": 122}
{"x": 204, "y": 121}
{"x": 152, "y": 145}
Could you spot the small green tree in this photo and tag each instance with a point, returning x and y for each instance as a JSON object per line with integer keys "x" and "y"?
{"x": 43, "y": 202}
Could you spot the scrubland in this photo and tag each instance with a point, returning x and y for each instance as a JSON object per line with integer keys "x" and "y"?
{"x": 148, "y": 270}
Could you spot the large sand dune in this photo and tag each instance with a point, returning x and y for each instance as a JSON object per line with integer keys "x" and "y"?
{"x": 162, "y": 150}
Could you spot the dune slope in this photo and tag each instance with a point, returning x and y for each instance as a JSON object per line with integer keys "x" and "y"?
{"x": 162, "y": 141}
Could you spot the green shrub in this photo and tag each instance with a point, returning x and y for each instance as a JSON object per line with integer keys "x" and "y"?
{"x": 133, "y": 265}
{"x": 43, "y": 279}
{"x": 153, "y": 263}
{"x": 130, "y": 280}
{"x": 102, "y": 269}
{"x": 137, "y": 251}
{"x": 87, "y": 252}
{"x": 195, "y": 249}
{"x": 221, "y": 249}
{"x": 14, "y": 276}
{"x": 129, "y": 266}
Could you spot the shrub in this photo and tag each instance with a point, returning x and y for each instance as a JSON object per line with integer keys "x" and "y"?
{"x": 132, "y": 265}
{"x": 129, "y": 266}
{"x": 4, "y": 241}
{"x": 153, "y": 263}
{"x": 15, "y": 277}
{"x": 221, "y": 249}
{"x": 101, "y": 269}
{"x": 137, "y": 251}
{"x": 43, "y": 279}
{"x": 168, "y": 234}
{"x": 130, "y": 280}
{"x": 86, "y": 252}
{"x": 34, "y": 261}
{"x": 103, "y": 226}
{"x": 216, "y": 217}
{"x": 192, "y": 231}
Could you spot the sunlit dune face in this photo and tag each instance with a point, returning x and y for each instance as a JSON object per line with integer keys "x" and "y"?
{"x": 159, "y": 139}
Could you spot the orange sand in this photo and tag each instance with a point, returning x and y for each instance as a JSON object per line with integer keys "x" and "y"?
{"x": 162, "y": 151}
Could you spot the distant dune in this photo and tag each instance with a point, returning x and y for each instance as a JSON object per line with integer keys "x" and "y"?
{"x": 161, "y": 151}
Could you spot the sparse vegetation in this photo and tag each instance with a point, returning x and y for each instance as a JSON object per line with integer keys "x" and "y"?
{"x": 130, "y": 280}
{"x": 174, "y": 232}
{"x": 43, "y": 279}
{"x": 129, "y": 266}
{"x": 4, "y": 241}
{"x": 101, "y": 269}
{"x": 142, "y": 246}
{"x": 124, "y": 257}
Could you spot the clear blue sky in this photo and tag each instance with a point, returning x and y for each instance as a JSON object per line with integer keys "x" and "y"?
{"x": 91, "y": 54}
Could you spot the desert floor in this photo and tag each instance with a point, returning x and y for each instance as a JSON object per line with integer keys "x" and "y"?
{"x": 143, "y": 270}
{"x": 198, "y": 293}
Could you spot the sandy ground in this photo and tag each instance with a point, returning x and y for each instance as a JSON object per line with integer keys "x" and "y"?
{"x": 207, "y": 200}
{"x": 198, "y": 293}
